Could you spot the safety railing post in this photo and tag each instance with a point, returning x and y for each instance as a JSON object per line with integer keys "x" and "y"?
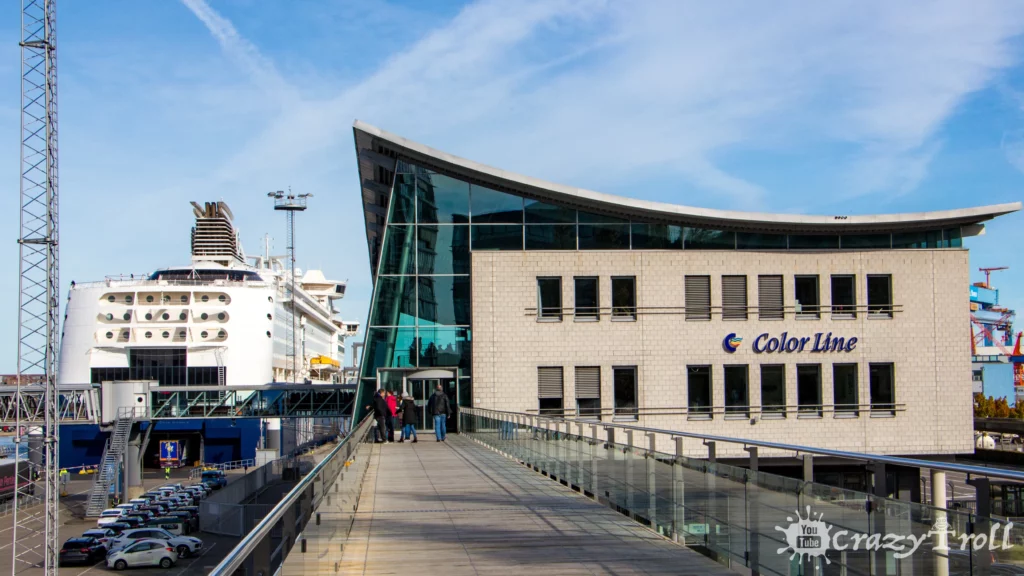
{"x": 752, "y": 491}
{"x": 593, "y": 461}
{"x": 678, "y": 504}
{"x": 652, "y": 494}
{"x": 612, "y": 452}
{"x": 628, "y": 463}
{"x": 579, "y": 455}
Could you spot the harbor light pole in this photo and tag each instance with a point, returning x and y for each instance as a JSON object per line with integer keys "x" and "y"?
{"x": 291, "y": 203}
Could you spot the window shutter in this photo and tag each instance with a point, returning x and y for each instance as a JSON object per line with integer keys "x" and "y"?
{"x": 549, "y": 382}
{"x": 588, "y": 382}
{"x": 769, "y": 298}
{"x": 698, "y": 297}
{"x": 734, "y": 297}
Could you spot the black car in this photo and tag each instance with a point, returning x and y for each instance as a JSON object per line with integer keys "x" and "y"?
{"x": 191, "y": 517}
{"x": 82, "y": 550}
{"x": 135, "y": 521}
{"x": 155, "y": 510}
{"x": 119, "y": 527}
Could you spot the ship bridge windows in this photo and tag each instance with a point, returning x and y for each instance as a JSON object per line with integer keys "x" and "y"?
{"x": 195, "y": 275}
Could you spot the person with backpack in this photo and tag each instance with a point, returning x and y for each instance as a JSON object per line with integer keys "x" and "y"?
{"x": 440, "y": 409}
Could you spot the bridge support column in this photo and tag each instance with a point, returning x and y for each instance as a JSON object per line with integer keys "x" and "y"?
{"x": 133, "y": 469}
{"x": 940, "y": 536}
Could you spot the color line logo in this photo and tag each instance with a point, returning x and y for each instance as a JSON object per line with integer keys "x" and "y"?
{"x": 731, "y": 342}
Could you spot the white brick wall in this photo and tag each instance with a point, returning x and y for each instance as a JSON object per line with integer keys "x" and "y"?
{"x": 926, "y": 341}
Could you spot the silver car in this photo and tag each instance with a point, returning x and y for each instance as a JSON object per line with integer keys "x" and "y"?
{"x": 185, "y": 546}
{"x": 148, "y": 552}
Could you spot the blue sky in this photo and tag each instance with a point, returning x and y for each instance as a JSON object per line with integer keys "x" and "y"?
{"x": 830, "y": 108}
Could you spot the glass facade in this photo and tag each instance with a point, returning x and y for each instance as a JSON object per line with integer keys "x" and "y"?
{"x": 420, "y": 315}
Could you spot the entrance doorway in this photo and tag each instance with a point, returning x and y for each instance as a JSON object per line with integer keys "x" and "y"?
{"x": 421, "y": 390}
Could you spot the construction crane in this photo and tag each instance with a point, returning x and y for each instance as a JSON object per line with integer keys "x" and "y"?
{"x": 988, "y": 271}
{"x": 34, "y": 536}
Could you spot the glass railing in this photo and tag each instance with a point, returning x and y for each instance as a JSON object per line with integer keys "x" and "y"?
{"x": 307, "y": 528}
{"x": 743, "y": 518}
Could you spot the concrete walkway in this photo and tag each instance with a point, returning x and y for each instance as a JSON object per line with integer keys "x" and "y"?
{"x": 458, "y": 508}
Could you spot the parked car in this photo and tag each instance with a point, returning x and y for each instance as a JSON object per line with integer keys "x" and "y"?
{"x": 202, "y": 487}
{"x": 134, "y": 520}
{"x": 103, "y": 535}
{"x": 81, "y": 550}
{"x": 141, "y": 500}
{"x": 148, "y": 552}
{"x": 216, "y": 478}
{"x": 192, "y": 519}
{"x": 110, "y": 515}
{"x": 154, "y": 509}
{"x": 118, "y": 527}
{"x": 173, "y": 524}
{"x": 185, "y": 546}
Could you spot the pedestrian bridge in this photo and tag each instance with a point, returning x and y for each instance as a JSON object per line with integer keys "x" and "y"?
{"x": 515, "y": 493}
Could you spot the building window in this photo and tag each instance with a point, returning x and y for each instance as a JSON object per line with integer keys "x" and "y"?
{"x": 808, "y": 390}
{"x": 773, "y": 391}
{"x": 624, "y": 298}
{"x": 734, "y": 297}
{"x": 625, "y": 392}
{"x": 549, "y": 299}
{"x": 976, "y": 375}
{"x": 587, "y": 307}
{"x": 698, "y": 297}
{"x": 883, "y": 390}
{"x": 880, "y": 295}
{"x": 844, "y": 390}
{"x": 769, "y": 298}
{"x": 844, "y": 296}
{"x": 698, "y": 392}
{"x": 549, "y": 390}
{"x": 737, "y": 399}
{"x": 588, "y": 391}
{"x": 806, "y": 292}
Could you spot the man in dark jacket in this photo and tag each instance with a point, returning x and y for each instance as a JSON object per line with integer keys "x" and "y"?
{"x": 440, "y": 410}
{"x": 380, "y": 413}
{"x": 410, "y": 418}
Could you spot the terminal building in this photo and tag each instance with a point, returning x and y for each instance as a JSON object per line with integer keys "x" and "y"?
{"x": 517, "y": 294}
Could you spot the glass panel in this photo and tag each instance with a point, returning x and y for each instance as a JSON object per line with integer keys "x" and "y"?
{"x": 389, "y": 348}
{"x": 587, "y": 299}
{"x": 446, "y": 347}
{"x": 493, "y": 207}
{"x": 813, "y": 242}
{"x": 444, "y": 300}
{"x": 807, "y": 296}
{"x": 399, "y": 246}
{"x": 704, "y": 239}
{"x": 540, "y": 213}
{"x": 850, "y": 241}
{"x": 736, "y": 396}
{"x": 395, "y": 301}
{"x": 497, "y": 237}
{"x": 624, "y": 383}
{"x": 604, "y": 236}
{"x": 402, "y": 198}
{"x": 443, "y": 249}
{"x": 883, "y": 392}
{"x": 442, "y": 199}
{"x": 932, "y": 239}
{"x": 844, "y": 389}
{"x": 844, "y": 296}
{"x": 549, "y": 294}
{"x": 698, "y": 388}
{"x": 880, "y": 295}
{"x": 551, "y": 237}
{"x": 657, "y": 237}
{"x": 751, "y": 241}
{"x": 952, "y": 238}
{"x": 624, "y": 298}
{"x": 589, "y": 218}
{"x": 808, "y": 389}
{"x": 773, "y": 389}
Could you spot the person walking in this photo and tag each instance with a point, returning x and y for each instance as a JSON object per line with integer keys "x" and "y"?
{"x": 392, "y": 410}
{"x": 380, "y": 410}
{"x": 410, "y": 419}
{"x": 440, "y": 409}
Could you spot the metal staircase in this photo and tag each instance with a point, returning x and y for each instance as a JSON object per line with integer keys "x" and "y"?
{"x": 106, "y": 475}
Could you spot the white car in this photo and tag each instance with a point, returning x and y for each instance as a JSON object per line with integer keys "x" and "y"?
{"x": 185, "y": 546}
{"x": 147, "y": 552}
{"x": 110, "y": 515}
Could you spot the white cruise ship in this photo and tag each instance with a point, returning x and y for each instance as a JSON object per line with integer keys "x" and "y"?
{"x": 222, "y": 320}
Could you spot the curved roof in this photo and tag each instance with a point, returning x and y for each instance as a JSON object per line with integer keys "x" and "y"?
{"x": 376, "y": 147}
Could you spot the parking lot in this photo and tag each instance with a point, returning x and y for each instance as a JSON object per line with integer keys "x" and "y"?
{"x": 72, "y": 525}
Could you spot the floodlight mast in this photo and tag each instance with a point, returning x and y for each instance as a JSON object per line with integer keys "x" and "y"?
{"x": 290, "y": 203}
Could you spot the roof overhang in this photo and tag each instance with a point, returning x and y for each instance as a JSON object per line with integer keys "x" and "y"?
{"x": 376, "y": 147}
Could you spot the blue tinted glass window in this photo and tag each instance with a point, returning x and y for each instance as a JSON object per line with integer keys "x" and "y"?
{"x": 493, "y": 207}
{"x": 444, "y": 300}
{"x": 541, "y": 213}
{"x": 604, "y": 236}
{"x": 446, "y": 347}
{"x": 657, "y": 237}
{"x": 813, "y": 242}
{"x": 930, "y": 239}
{"x": 395, "y": 301}
{"x": 443, "y": 248}
{"x": 389, "y": 348}
{"x": 497, "y": 237}
{"x": 854, "y": 241}
{"x": 403, "y": 167}
{"x": 441, "y": 199}
{"x": 750, "y": 241}
{"x": 403, "y": 200}
{"x": 589, "y": 218}
{"x": 550, "y": 236}
{"x": 705, "y": 239}
{"x": 399, "y": 251}
{"x": 952, "y": 238}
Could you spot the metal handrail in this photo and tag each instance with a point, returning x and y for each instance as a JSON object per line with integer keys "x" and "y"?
{"x": 876, "y": 409}
{"x": 247, "y": 545}
{"x": 796, "y": 448}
